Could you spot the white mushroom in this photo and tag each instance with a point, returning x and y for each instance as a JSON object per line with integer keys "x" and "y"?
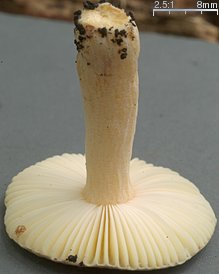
{"x": 112, "y": 211}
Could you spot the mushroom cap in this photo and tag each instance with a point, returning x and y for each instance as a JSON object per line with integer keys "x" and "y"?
{"x": 166, "y": 223}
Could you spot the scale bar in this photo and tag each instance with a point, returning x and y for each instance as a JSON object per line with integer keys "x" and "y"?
{"x": 184, "y": 10}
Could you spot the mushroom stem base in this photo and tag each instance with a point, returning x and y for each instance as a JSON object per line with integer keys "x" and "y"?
{"x": 109, "y": 197}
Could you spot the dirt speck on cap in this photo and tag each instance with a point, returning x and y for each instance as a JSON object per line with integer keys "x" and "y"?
{"x": 20, "y": 230}
{"x": 72, "y": 258}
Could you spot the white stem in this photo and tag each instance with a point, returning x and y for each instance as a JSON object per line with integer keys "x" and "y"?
{"x": 108, "y": 69}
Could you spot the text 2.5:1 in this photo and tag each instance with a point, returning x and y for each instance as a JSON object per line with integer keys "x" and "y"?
{"x": 163, "y": 4}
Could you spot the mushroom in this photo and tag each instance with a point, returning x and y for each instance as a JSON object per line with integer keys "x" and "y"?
{"x": 104, "y": 209}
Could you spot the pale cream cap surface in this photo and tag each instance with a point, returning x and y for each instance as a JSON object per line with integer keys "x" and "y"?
{"x": 166, "y": 223}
